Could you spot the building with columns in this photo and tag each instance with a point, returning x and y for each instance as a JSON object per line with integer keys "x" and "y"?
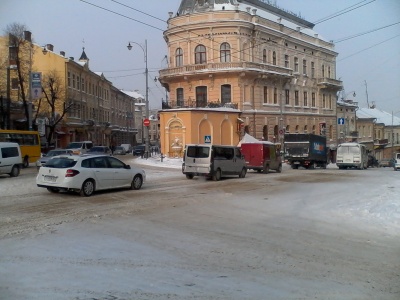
{"x": 253, "y": 56}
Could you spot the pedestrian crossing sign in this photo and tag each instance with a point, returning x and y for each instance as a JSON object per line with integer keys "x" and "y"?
{"x": 207, "y": 139}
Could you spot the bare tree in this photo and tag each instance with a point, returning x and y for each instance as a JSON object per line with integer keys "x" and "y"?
{"x": 21, "y": 54}
{"x": 53, "y": 105}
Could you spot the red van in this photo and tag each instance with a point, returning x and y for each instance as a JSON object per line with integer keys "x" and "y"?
{"x": 262, "y": 156}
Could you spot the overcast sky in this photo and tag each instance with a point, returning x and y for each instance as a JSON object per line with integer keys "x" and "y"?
{"x": 367, "y": 64}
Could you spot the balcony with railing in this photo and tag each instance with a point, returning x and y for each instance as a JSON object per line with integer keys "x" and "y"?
{"x": 330, "y": 83}
{"x": 224, "y": 67}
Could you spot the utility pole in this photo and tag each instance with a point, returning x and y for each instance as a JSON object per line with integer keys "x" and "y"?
{"x": 366, "y": 92}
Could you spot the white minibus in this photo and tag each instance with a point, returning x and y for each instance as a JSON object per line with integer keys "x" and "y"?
{"x": 352, "y": 155}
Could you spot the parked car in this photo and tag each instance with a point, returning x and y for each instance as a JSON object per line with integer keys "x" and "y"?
{"x": 127, "y": 147}
{"x": 119, "y": 150}
{"x": 86, "y": 174}
{"x": 99, "y": 150}
{"x": 80, "y": 147}
{"x": 138, "y": 150}
{"x": 46, "y": 157}
{"x": 386, "y": 162}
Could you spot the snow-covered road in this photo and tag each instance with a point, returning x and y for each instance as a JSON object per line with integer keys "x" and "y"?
{"x": 301, "y": 234}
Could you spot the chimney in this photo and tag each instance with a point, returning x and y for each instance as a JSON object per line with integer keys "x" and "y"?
{"x": 71, "y": 58}
{"x": 62, "y": 53}
{"x": 28, "y": 36}
{"x": 50, "y": 47}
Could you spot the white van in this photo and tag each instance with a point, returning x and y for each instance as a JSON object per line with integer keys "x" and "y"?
{"x": 352, "y": 155}
{"x": 396, "y": 164}
{"x": 10, "y": 159}
{"x": 80, "y": 147}
{"x": 213, "y": 161}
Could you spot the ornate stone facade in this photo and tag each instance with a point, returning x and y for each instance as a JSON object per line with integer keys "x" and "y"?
{"x": 268, "y": 63}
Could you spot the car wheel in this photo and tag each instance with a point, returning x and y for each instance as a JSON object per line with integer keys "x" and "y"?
{"x": 14, "y": 171}
{"x": 243, "y": 173}
{"x": 217, "y": 176}
{"x": 25, "y": 163}
{"x": 87, "y": 188}
{"x": 189, "y": 176}
{"x": 53, "y": 190}
{"x": 137, "y": 182}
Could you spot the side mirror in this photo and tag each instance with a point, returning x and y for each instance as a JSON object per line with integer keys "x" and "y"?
{"x": 128, "y": 167}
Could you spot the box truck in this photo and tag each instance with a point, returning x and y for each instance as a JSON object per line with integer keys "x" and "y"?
{"x": 262, "y": 156}
{"x": 305, "y": 150}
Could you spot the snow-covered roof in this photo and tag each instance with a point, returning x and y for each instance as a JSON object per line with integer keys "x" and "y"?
{"x": 262, "y": 9}
{"x": 133, "y": 94}
{"x": 381, "y": 116}
{"x": 247, "y": 138}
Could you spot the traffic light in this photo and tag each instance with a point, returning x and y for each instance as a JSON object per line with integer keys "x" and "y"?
{"x": 322, "y": 128}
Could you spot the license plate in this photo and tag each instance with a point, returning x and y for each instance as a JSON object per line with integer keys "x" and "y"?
{"x": 50, "y": 178}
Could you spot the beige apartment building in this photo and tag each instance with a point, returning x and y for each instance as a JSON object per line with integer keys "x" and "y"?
{"x": 97, "y": 110}
{"x": 255, "y": 57}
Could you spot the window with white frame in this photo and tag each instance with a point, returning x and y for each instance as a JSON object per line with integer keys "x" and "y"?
{"x": 287, "y": 99}
{"x": 200, "y": 55}
{"x": 225, "y": 52}
{"x": 296, "y": 64}
{"x": 179, "y": 57}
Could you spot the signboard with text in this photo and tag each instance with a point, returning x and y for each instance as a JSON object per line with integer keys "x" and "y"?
{"x": 36, "y": 85}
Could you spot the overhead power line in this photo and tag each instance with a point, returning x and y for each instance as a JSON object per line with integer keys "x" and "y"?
{"x": 361, "y": 34}
{"x": 370, "y": 47}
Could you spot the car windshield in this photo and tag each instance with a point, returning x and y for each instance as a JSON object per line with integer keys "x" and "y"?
{"x": 74, "y": 145}
{"x": 60, "y": 163}
{"x": 119, "y": 148}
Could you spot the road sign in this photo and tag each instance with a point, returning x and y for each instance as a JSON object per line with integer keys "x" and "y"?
{"x": 207, "y": 139}
{"x": 146, "y": 122}
{"x": 36, "y": 85}
{"x": 281, "y": 131}
{"x": 340, "y": 121}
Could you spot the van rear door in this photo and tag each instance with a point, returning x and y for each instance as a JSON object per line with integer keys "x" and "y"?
{"x": 197, "y": 159}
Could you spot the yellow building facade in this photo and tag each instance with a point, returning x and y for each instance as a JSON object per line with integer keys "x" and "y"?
{"x": 197, "y": 126}
{"x": 269, "y": 64}
{"x": 96, "y": 110}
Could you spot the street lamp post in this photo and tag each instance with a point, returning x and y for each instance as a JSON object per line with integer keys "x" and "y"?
{"x": 146, "y": 151}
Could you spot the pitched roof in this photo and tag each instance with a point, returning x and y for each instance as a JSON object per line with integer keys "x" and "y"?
{"x": 83, "y": 55}
{"x": 381, "y": 116}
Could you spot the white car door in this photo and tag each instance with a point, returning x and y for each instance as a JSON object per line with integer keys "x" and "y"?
{"x": 121, "y": 176}
{"x": 102, "y": 173}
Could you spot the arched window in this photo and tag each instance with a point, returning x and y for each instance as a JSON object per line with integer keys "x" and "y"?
{"x": 297, "y": 129}
{"x": 179, "y": 57}
{"x": 226, "y": 94}
{"x": 200, "y": 55}
{"x": 287, "y": 128}
{"x": 264, "y": 60}
{"x": 225, "y": 52}
{"x": 305, "y": 128}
